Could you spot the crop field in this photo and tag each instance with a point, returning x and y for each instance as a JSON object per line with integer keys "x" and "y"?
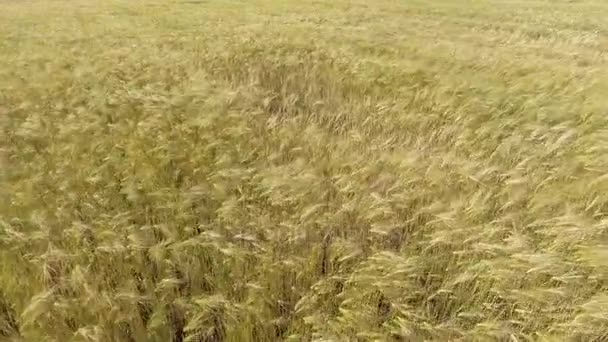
{"x": 283, "y": 170}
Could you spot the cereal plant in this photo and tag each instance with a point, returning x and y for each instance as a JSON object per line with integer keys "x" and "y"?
{"x": 282, "y": 170}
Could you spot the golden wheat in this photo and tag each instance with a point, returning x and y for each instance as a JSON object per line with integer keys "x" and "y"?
{"x": 303, "y": 171}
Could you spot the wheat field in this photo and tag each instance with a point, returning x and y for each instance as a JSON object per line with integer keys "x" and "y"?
{"x": 282, "y": 170}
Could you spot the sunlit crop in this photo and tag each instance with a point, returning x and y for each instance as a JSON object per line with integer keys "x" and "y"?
{"x": 273, "y": 170}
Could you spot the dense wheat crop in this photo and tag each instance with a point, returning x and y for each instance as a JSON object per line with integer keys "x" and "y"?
{"x": 273, "y": 170}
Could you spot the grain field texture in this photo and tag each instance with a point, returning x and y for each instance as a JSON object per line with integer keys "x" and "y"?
{"x": 282, "y": 170}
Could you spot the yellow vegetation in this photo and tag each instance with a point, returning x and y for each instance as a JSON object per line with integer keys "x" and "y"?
{"x": 273, "y": 170}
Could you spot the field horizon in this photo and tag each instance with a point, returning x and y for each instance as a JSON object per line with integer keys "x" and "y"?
{"x": 281, "y": 170}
